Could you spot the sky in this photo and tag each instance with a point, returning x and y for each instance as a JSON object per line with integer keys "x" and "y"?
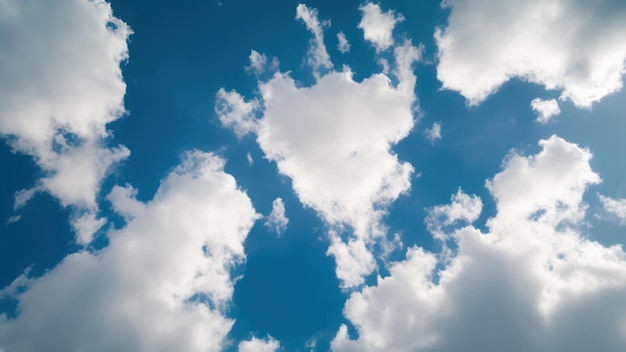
{"x": 322, "y": 176}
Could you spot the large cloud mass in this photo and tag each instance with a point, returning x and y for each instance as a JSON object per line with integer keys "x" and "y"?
{"x": 162, "y": 284}
{"x": 532, "y": 283}
{"x": 334, "y": 139}
{"x": 61, "y": 84}
{"x": 574, "y": 46}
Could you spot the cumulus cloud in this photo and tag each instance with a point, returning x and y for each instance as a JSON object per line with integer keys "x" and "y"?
{"x": 61, "y": 85}
{"x": 236, "y": 113}
{"x": 545, "y": 109}
{"x": 318, "y": 57}
{"x": 433, "y": 134}
{"x": 533, "y": 282}
{"x": 616, "y": 207}
{"x": 255, "y": 344}
{"x": 258, "y": 63}
{"x": 577, "y": 47}
{"x": 333, "y": 140}
{"x": 462, "y": 208}
{"x": 378, "y": 26}
{"x": 162, "y": 284}
{"x": 342, "y": 44}
{"x": 277, "y": 221}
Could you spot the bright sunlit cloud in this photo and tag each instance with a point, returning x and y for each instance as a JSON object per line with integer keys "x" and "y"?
{"x": 57, "y": 95}
{"x": 410, "y": 176}
{"x": 575, "y": 47}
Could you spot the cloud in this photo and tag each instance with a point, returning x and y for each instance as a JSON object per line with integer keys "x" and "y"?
{"x": 343, "y": 44}
{"x": 433, "y": 134}
{"x": 616, "y": 207}
{"x": 61, "y": 85}
{"x": 576, "y": 47}
{"x": 533, "y": 282}
{"x": 277, "y": 221}
{"x": 258, "y": 63}
{"x": 545, "y": 109}
{"x": 162, "y": 284}
{"x": 378, "y": 26}
{"x": 255, "y": 344}
{"x": 236, "y": 113}
{"x": 14, "y": 218}
{"x": 333, "y": 139}
{"x": 462, "y": 208}
{"x": 318, "y": 57}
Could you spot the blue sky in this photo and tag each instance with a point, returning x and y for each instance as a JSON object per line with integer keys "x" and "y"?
{"x": 353, "y": 176}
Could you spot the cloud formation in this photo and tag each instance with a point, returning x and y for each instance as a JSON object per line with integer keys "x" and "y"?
{"x": 342, "y": 44}
{"x": 378, "y": 26}
{"x": 236, "y": 113}
{"x": 333, "y": 140}
{"x": 533, "y": 282}
{"x": 277, "y": 221}
{"x": 616, "y": 207}
{"x": 61, "y": 85}
{"x": 318, "y": 57}
{"x": 256, "y": 344}
{"x": 433, "y": 134}
{"x": 545, "y": 109}
{"x": 577, "y": 47}
{"x": 162, "y": 284}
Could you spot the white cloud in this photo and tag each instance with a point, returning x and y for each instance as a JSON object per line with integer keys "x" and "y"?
{"x": 277, "y": 221}
{"x": 378, "y": 26}
{"x": 545, "y": 109}
{"x": 255, "y": 344}
{"x": 462, "y": 208}
{"x": 61, "y": 85}
{"x": 13, "y": 218}
{"x": 343, "y": 44}
{"x": 258, "y": 63}
{"x": 577, "y": 47}
{"x": 236, "y": 113}
{"x": 433, "y": 134}
{"x": 344, "y": 131}
{"x": 334, "y": 140}
{"x": 616, "y": 207}
{"x": 318, "y": 57}
{"x": 249, "y": 158}
{"x": 162, "y": 284}
{"x": 533, "y": 282}
{"x": 85, "y": 225}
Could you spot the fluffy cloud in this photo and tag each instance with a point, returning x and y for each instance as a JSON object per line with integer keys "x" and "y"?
{"x": 462, "y": 208}
{"x": 433, "y": 134}
{"x": 236, "y": 113}
{"x": 258, "y": 63}
{"x": 378, "y": 26}
{"x": 318, "y": 57}
{"x": 61, "y": 85}
{"x": 342, "y": 44}
{"x": 616, "y": 207}
{"x": 577, "y": 47}
{"x": 545, "y": 109}
{"x": 162, "y": 284}
{"x": 533, "y": 282}
{"x": 255, "y": 344}
{"x": 333, "y": 140}
{"x": 277, "y": 221}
